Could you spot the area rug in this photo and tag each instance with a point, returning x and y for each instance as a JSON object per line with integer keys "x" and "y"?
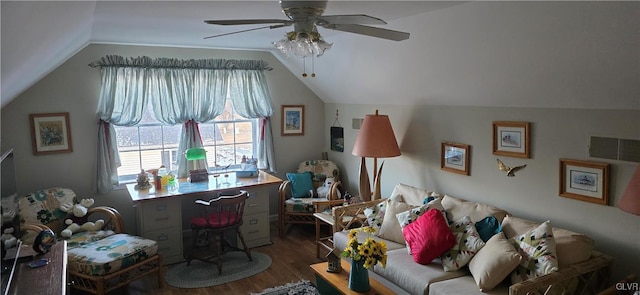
{"x": 302, "y": 287}
{"x": 199, "y": 274}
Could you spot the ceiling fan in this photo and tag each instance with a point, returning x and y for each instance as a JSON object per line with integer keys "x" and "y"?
{"x": 306, "y": 16}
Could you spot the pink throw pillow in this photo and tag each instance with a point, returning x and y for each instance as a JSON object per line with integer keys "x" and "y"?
{"x": 429, "y": 236}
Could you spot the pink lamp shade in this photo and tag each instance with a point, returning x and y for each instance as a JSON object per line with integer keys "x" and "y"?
{"x": 376, "y": 138}
{"x": 630, "y": 201}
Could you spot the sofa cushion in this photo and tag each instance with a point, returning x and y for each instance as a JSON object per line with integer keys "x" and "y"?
{"x": 301, "y": 184}
{"x": 571, "y": 247}
{"x": 457, "y": 208}
{"x": 488, "y": 227}
{"x": 411, "y": 215}
{"x": 411, "y": 195}
{"x": 110, "y": 254}
{"x": 468, "y": 243}
{"x": 390, "y": 228}
{"x": 413, "y": 277}
{"x": 538, "y": 250}
{"x": 341, "y": 239}
{"x": 493, "y": 263}
{"x": 465, "y": 285}
{"x": 429, "y": 236}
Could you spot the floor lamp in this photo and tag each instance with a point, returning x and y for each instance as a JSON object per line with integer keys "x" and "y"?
{"x": 375, "y": 140}
{"x": 630, "y": 201}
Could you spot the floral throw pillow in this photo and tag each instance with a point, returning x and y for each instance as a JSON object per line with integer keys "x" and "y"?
{"x": 375, "y": 214}
{"x": 538, "y": 250}
{"x": 407, "y": 217}
{"x": 468, "y": 243}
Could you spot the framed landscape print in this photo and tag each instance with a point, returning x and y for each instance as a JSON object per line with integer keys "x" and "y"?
{"x": 50, "y": 133}
{"x": 511, "y": 139}
{"x": 455, "y": 157}
{"x": 584, "y": 180}
{"x": 292, "y": 120}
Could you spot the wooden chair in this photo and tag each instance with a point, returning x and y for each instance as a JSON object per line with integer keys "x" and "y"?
{"x": 221, "y": 214}
{"x": 300, "y": 210}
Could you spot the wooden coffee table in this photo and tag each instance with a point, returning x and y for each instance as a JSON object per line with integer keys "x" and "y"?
{"x": 339, "y": 282}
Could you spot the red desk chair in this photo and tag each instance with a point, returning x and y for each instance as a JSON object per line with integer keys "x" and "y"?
{"x": 221, "y": 214}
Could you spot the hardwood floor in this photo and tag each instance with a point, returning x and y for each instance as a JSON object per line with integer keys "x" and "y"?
{"x": 291, "y": 257}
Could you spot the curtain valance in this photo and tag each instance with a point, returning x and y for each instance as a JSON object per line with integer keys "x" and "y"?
{"x": 163, "y": 62}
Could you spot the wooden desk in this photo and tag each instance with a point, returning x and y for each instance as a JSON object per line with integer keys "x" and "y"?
{"x": 340, "y": 281}
{"x": 159, "y": 213}
{"x": 48, "y": 279}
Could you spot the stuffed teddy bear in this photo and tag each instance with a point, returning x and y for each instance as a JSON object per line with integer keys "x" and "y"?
{"x": 79, "y": 211}
{"x": 8, "y": 239}
{"x": 323, "y": 190}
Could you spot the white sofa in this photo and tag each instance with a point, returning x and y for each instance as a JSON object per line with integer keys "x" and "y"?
{"x": 578, "y": 265}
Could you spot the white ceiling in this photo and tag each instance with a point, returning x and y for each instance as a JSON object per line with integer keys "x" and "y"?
{"x": 459, "y": 53}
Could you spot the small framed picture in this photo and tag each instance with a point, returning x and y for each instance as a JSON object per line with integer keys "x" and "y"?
{"x": 50, "y": 133}
{"x": 584, "y": 180}
{"x": 292, "y": 120}
{"x": 511, "y": 139}
{"x": 455, "y": 157}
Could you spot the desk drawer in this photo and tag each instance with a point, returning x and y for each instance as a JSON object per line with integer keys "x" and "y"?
{"x": 255, "y": 226}
{"x": 169, "y": 241}
{"x": 161, "y": 215}
{"x": 257, "y": 202}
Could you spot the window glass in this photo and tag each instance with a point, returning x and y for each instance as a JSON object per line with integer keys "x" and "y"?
{"x": 149, "y": 144}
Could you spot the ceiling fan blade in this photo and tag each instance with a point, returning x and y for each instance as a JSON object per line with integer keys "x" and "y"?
{"x": 370, "y": 31}
{"x": 361, "y": 19}
{"x": 233, "y": 22}
{"x": 248, "y": 30}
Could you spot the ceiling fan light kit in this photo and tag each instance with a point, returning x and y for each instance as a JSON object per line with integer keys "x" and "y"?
{"x": 305, "y": 16}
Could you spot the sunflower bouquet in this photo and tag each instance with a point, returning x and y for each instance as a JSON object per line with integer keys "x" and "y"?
{"x": 370, "y": 251}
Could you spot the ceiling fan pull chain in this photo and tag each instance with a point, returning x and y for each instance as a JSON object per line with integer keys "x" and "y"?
{"x": 304, "y": 67}
{"x": 313, "y": 67}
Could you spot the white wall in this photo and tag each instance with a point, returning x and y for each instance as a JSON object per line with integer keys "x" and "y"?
{"x": 533, "y": 192}
{"x": 74, "y": 87}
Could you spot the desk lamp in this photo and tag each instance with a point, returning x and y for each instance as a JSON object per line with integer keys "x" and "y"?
{"x": 195, "y": 159}
{"x": 375, "y": 140}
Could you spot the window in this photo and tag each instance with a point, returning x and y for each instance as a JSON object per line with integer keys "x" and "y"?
{"x": 149, "y": 144}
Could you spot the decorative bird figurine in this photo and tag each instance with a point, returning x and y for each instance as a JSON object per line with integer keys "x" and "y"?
{"x": 510, "y": 171}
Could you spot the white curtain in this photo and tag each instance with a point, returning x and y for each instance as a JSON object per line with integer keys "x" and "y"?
{"x": 184, "y": 92}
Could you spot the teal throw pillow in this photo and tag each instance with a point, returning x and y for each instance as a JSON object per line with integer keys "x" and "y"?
{"x": 488, "y": 227}
{"x": 301, "y": 184}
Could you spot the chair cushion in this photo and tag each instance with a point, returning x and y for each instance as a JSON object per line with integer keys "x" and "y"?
{"x": 86, "y": 237}
{"x": 110, "y": 254}
{"x": 301, "y": 205}
{"x": 301, "y": 184}
{"x": 43, "y": 207}
{"x": 218, "y": 219}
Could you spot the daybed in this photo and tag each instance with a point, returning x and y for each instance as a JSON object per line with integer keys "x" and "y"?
{"x": 482, "y": 260}
{"x": 99, "y": 260}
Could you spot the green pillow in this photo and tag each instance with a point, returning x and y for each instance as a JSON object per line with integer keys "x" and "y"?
{"x": 301, "y": 184}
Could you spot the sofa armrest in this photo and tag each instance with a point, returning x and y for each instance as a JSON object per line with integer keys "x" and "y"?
{"x": 586, "y": 277}
{"x": 352, "y": 212}
{"x": 111, "y": 216}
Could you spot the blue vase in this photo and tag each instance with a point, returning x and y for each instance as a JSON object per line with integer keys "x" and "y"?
{"x": 359, "y": 277}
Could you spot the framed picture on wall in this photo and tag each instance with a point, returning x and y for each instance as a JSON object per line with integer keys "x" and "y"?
{"x": 50, "y": 133}
{"x": 292, "y": 120}
{"x": 511, "y": 139}
{"x": 455, "y": 157}
{"x": 584, "y": 180}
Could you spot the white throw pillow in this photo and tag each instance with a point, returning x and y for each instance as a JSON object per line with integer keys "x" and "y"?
{"x": 493, "y": 263}
{"x": 468, "y": 243}
{"x": 375, "y": 215}
{"x": 390, "y": 228}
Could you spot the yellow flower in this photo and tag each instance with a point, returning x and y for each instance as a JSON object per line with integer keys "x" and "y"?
{"x": 370, "y": 251}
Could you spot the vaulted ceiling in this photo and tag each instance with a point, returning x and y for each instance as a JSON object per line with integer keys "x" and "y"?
{"x": 522, "y": 54}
